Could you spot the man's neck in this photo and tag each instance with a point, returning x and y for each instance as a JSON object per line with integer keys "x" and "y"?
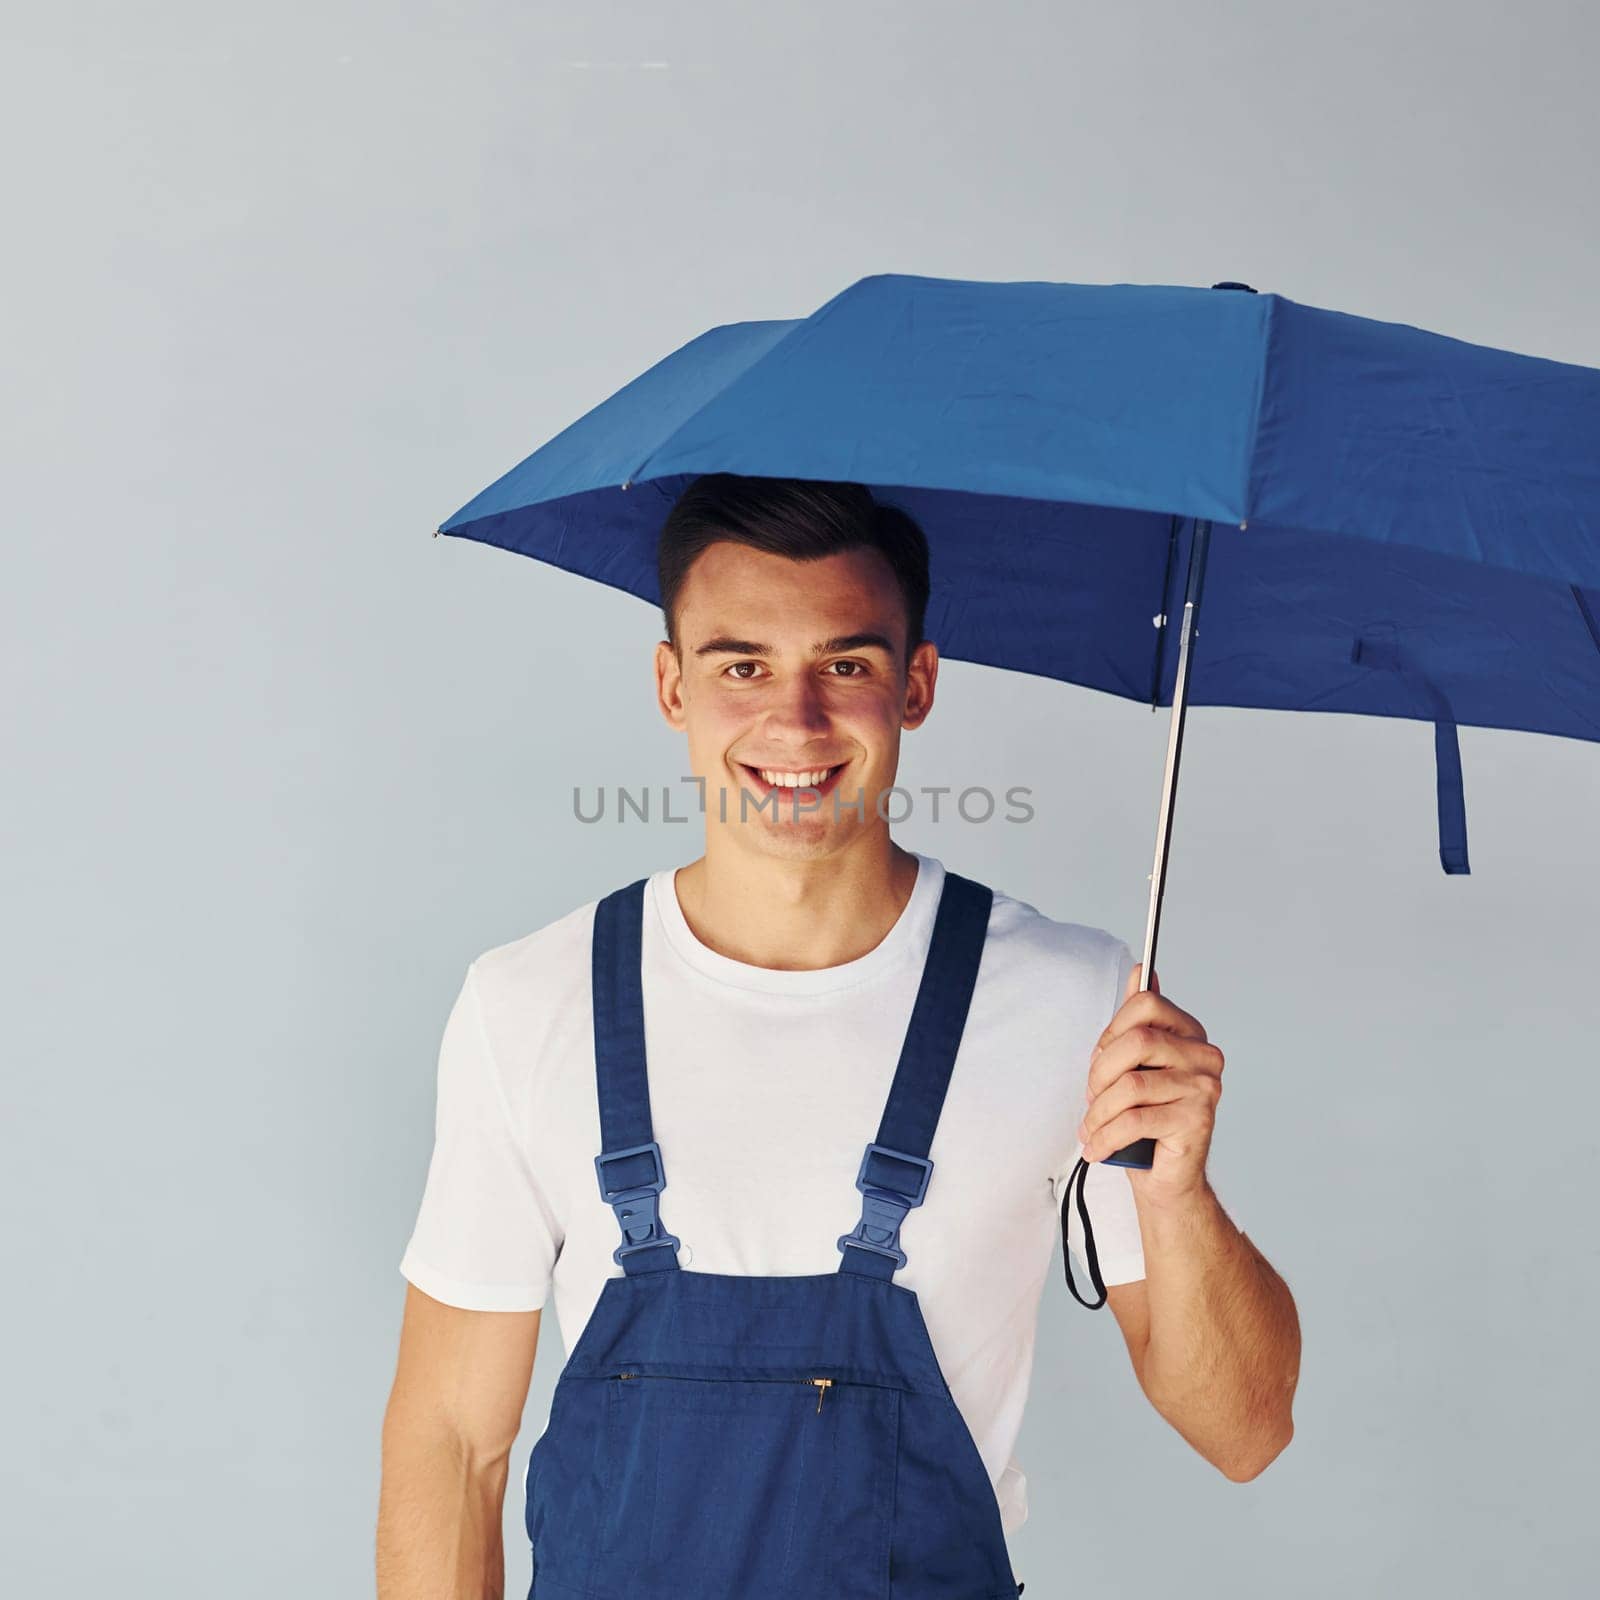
{"x": 796, "y": 915}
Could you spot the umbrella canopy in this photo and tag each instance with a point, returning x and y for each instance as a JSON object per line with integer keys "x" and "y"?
{"x": 1406, "y": 525}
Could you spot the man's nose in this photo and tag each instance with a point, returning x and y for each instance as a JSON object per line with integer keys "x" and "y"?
{"x": 798, "y": 706}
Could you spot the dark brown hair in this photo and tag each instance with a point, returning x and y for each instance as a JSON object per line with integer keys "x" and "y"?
{"x": 803, "y": 519}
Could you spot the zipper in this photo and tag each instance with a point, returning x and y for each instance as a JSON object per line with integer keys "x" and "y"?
{"x": 823, "y": 1384}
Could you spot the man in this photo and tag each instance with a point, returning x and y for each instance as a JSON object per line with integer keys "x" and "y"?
{"x": 778, "y": 973}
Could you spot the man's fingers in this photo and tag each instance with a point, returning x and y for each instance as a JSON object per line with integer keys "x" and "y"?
{"x": 1137, "y": 1122}
{"x": 1130, "y": 1089}
{"x": 1148, "y": 1104}
{"x": 1145, "y": 1044}
{"x": 1148, "y": 1006}
{"x": 1133, "y": 980}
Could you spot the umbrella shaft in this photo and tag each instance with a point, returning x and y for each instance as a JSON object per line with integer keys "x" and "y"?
{"x": 1180, "y": 705}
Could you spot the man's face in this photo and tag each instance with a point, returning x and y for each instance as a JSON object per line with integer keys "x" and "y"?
{"x": 791, "y": 668}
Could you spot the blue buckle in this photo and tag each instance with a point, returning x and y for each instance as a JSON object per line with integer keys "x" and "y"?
{"x": 637, "y": 1205}
{"x": 883, "y": 1210}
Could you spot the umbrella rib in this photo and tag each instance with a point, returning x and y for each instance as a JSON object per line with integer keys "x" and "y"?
{"x": 1161, "y": 616}
{"x": 1588, "y": 614}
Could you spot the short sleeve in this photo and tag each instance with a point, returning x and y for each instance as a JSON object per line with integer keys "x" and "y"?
{"x": 485, "y": 1236}
{"x": 1107, "y": 1191}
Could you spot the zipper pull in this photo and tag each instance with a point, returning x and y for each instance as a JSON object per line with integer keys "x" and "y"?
{"x": 822, "y": 1388}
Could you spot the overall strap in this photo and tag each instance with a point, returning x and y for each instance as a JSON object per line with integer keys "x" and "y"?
{"x": 895, "y": 1169}
{"x": 629, "y": 1164}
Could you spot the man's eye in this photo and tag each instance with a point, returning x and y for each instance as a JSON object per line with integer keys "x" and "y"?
{"x": 736, "y": 669}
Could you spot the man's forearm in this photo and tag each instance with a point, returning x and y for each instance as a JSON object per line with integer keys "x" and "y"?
{"x": 1224, "y": 1351}
{"x": 439, "y": 1514}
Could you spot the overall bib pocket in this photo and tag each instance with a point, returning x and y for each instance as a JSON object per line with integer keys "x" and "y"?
{"x": 747, "y": 1485}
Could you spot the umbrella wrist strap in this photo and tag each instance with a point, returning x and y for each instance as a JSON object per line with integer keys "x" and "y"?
{"x": 1074, "y": 1193}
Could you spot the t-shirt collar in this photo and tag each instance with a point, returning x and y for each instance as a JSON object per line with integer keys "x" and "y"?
{"x": 906, "y": 939}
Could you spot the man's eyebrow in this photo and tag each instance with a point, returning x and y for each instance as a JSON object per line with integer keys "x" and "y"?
{"x": 854, "y": 641}
{"x": 724, "y": 645}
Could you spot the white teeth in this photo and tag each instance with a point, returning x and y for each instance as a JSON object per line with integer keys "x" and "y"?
{"x": 794, "y": 780}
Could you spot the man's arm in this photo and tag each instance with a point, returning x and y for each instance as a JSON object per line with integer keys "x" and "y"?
{"x": 452, "y": 1418}
{"x": 1213, "y": 1334}
{"x": 1213, "y": 1330}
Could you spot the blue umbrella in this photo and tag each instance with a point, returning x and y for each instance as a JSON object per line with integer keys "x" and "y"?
{"x": 1383, "y": 520}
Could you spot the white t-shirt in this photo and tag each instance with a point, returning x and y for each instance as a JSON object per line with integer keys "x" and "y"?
{"x": 749, "y": 1066}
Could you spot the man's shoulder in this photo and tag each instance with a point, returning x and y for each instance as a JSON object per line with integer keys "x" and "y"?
{"x": 548, "y": 964}
{"x": 1025, "y": 936}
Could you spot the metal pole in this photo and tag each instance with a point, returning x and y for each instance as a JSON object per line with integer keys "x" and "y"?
{"x": 1142, "y": 1152}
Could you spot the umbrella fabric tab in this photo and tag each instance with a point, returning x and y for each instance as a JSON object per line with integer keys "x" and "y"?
{"x": 1452, "y": 802}
{"x": 1380, "y": 649}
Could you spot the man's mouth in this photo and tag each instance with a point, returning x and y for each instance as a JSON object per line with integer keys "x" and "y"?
{"x": 789, "y": 783}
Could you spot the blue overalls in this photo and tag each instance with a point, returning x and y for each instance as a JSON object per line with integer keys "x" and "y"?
{"x": 721, "y": 1437}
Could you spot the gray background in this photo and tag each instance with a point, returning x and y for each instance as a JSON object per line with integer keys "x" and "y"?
{"x": 284, "y": 287}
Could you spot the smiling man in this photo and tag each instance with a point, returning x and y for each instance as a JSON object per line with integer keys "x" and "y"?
{"x": 817, "y": 1070}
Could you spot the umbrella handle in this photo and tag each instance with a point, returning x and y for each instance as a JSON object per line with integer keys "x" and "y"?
{"x": 1142, "y": 1152}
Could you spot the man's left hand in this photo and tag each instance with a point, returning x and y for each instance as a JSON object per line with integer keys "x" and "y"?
{"x": 1175, "y": 1103}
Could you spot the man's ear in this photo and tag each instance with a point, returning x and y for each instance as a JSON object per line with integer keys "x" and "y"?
{"x": 922, "y": 672}
{"x": 669, "y": 684}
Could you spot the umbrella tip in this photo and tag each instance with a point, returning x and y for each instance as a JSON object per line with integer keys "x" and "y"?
{"x": 1245, "y": 286}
